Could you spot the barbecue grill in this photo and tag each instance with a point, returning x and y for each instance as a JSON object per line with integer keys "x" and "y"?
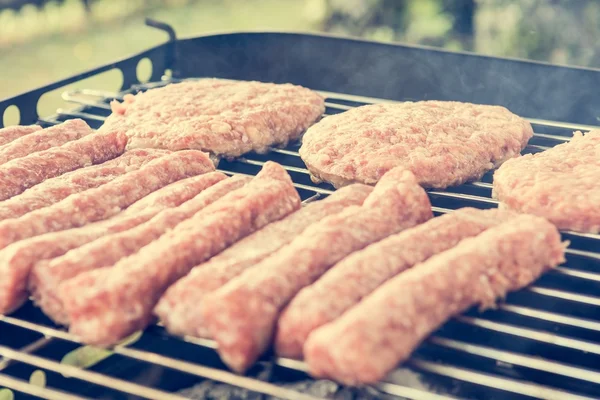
{"x": 542, "y": 342}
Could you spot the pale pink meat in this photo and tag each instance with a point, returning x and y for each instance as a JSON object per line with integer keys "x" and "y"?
{"x": 10, "y": 133}
{"x": 442, "y": 143}
{"x": 359, "y": 274}
{"x": 56, "y": 189}
{"x": 107, "y": 200}
{"x": 54, "y": 136}
{"x": 17, "y": 260}
{"x": 47, "y": 275}
{"x": 179, "y": 307}
{"x": 105, "y": 305}
{"x": 561, "y": 184}
{"x": 242, "y": 314}
{"x": 372, "y": 338}
{"x": 223, "y": 117}
{"x": 22, "y": 173}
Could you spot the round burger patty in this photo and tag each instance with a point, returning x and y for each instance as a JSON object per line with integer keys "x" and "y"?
{"x": 561, "y": 184}
{"x": 225, "y": 118}
{"x": 441, "y": 143}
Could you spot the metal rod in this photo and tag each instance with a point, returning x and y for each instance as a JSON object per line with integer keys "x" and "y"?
{"x": 509, "y": 385}
{"x": 30, "y": 348}
{"x": 551, "y": 317}
{"x": 214, "y": 374}
{"x": 539, "y": 364}
{"x": 531, "y": 334}
{"x": 93, "y": 377}
{"x": 33, "y": 390}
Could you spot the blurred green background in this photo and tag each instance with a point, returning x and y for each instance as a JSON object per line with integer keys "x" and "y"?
{"x": 42, "y": 41}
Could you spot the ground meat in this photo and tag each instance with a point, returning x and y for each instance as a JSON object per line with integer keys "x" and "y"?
{"x": 442, "y": 143}
{"x": 17, "y": 260}
{"x": 107, "y": 200}
{"x": 179, "y": 307}
{"x": 561, "y": 184}
{"x": 242, "y": 314}
{"x": 22, "y": 173}
{"x": 226, "y": 118}
{"x": 369, "y": 340}
{"x": 11, "y": 133}
{"x": 359, "y": 274}
{"x": 56, "y": 189}
{"x": 106, "y": 305}
{"x": 54, "y": 136}
{"x": 47, "y": 275}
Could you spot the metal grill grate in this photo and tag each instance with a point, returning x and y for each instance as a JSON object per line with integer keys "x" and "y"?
{"x": 541, "y": 343}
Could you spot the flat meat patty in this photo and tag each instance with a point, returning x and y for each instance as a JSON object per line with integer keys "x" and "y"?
{"x": 241, "y": 315}
{"x": 561, "y": 184}
{"x": 54, "y": 136}
{"x": 17, "y": 260}
{"x": 441, "y": 143}
{"x": 10, "y": 133}
{"x": 107, "y": 200}
{"x": 18, "y": 175}
{"x": 372, "y": 338}
{"x": 47, "y": 275}
{"x": 105, "y": 305}
{"x": 225, "y": 118}
{"x": 56, "y": 189}
{"x": 179, "y": 307}
{"x": 359, "y": 274}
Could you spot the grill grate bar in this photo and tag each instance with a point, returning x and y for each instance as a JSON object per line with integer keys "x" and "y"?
{"x": 72, "y": 97}
{"x": 79, "y": 114}
{"x": 244, "y": 160}
{"x": 93, "y": 377}
{"x": 531, "y": 334}
{"x": 578, "y": 274}
{"x": 518, "y": 359}
{"x": 30, "y": 348}
{"x": 509, "y": 385}
{"x": 462, "y": 196}
{"x": 594, "y": 301}
{"x": 226, "y": 377}
{"x": 583, "y": 253}
{"x": 214, "y": 374}
{"x": 195, "y": 369}
{"x": 33, "y": 390}
{"x": 410, "y": 393}
{"x": 552, "y": 317}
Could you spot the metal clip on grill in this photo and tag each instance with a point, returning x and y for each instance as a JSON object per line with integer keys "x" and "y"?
{"x": 543, "y": 342}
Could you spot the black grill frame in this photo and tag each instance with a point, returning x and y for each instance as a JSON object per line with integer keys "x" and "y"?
{"x": 541, "y": 343}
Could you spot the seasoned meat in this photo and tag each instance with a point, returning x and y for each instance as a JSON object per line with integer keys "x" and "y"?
{"x": 441, "y": 143}
{"x": 359, "y": 274}
{"x": 22, "y": 173}
{"x": 47, "y": 275}
{"x": 561, "y": 184}
{"x": 242, "y": 314}
{"x": 108, "y": 304}
{"x": 179, "y": 307}
{"x": 10, "y": 133}
{"x": 225, "y": 118}
{"x": 370, "y": 339}
{"x": 107, "y": 200}
{"x": 54, "y": 136}
{"x": 17, "y": 260}
{"x": 56, "y": 189}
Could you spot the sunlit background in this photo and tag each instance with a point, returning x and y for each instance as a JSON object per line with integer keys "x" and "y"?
{"x": 44, "y": 40}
